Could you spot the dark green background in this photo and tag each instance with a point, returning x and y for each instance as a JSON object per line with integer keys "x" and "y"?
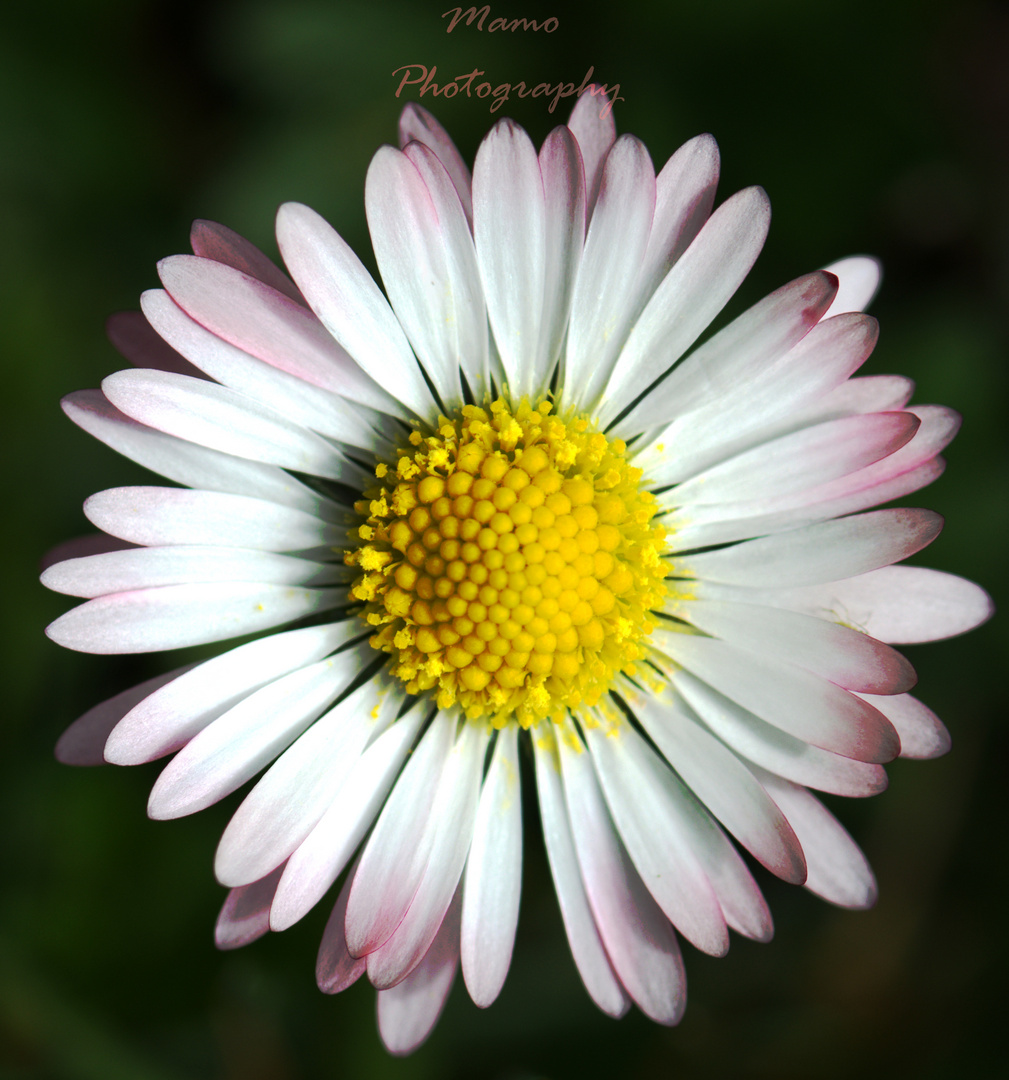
{"x": 875, "y": 126}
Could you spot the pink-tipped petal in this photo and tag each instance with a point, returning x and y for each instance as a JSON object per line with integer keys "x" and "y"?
{"x": 587, "y": 947}
{"x": 493, "y": 881}
{"x": 211, "y": 240}
{"x": 416, "y": 124}
{"x": 83, "y": 742}
{"x": 592, "y": 124}
{"x": 138, "y": 341}
{"x": 335, "y": 968}
{"x": 408, "y": 1011}
{"x": 245, "y": 916}
{"x": 838, "y": 871}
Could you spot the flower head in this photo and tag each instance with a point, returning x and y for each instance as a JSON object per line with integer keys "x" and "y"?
{"x": 504, "y": 510}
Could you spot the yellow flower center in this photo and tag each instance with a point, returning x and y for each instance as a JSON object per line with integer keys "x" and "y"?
{"x": 510, "y": 562}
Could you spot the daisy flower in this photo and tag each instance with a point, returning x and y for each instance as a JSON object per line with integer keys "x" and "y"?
{"x": 502, "y": 511}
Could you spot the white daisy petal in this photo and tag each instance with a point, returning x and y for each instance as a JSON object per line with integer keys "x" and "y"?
{"x": 416, "y": 124}
{"x": 83, "y": 742}
{"x": 158, "y": 516}
{"x": 586, "y": 945}
{"x": 805, "y": 459}
{"x": 335, "y": 968}
{"x": 564, "y": 207}
{"x": 265, "y": 324}
{"x": 302, "y": 401}
{"x": 224, "y": 420}
{"x": 764, "y": 744}
{"x": 637, "y": 935}
{"x": 349, "y": 303}
{"x": 493, "y": 881}
{"x": 749, "y": 410}
{"x": 395, "y": 857}
{"x": 897, "y": 604}
{"x": 647, "y": 808}
{"x": 725, "y": 786}
{"x": 167, "y": 719}
{"x": 738, "y": 355}
{"x": 509, "y": 227}
{"x": 147, "y": 568}
{"x": 453, "y": 816}
{"x": 838, "y": 871}
{"x": 238, "y": 744}
{"x": 791, "y": 698}
{"x": 425, "y": 254}
{"x": 245, "y": 916}
{"x": 189, "y": 464}
{"x": 271, "y": 822}
{"x": 135, "y": 339}
{"x": 922, "y": 734}
{"x": 684, "y": 196}
{"x": 211, "y": 240}
{"x": 838, "y": 653}
{"x": 592, "y": 124}
{"x": 824, "y": 552}
{"x": 174, "y": 616}
{"x": 858, "y": 281}
{"x": 321, "y": 857}
{"x": 690, "y": 296}
{"x": 408, "y": 1011}
{"x": 605, "y": 301}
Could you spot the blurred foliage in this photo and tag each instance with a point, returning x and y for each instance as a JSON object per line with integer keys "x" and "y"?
{"x": 874, "y": 126}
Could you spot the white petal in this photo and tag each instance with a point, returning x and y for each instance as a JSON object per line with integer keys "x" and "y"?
{"x": 791, "y": 698}
{"x": 493, "y": 881}
{"x": 335, "y": 968}
{"x": 897, "y": 604}
{"x": 838, "y": 653}
{"x": 319, "y": 860}
{"x": 922, "y": 734}
{"x": 408, "y": 1011}
{"x": 416, "y": 124}
{"x": 158, "y": 516}
{"x": 238, "y": 744}
{"x": 258, "y": 320}
{"x": 245, "y": 916}
{"x": 134, "y": 338}
{"x": 859, "y": 277}
{"x": 149, "y": 567}
{"x": 804, "y": 459}
{"x": 167, "y": 719}
{"x": 174, "y": 616}
{"x": 764, "y": 744}
{"x": 592, "y": 124}
{"x": 509, "y": 225}
{"x": 838, "y": 871}
{"x": 282, "y": 809}
{"x": 428, "y": 264}
{"x": 583, "y": 937}
{"x": 350, "y": 304}
{"x": 189, "y": 464}
{"x": 828, "y": 551}
{"x": 648, "y": 809}
{"x": 564, "y": 216}
{"x": 288, "y": 393}
{"x": 725, "y": 786}
{"x": 739, "y": 354}
{"x": 606, "y": 299}
{"x": 736, "y": 418}
{"x": 83, "y": 742}
{"x": 224, "y": 420}
{"x": 395, "y": 857}
{"x": 452, "y": 819}
{"x": 213, "y": 241}
{"x": 690, "y": 296}
{"x": 638, "y": 937}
